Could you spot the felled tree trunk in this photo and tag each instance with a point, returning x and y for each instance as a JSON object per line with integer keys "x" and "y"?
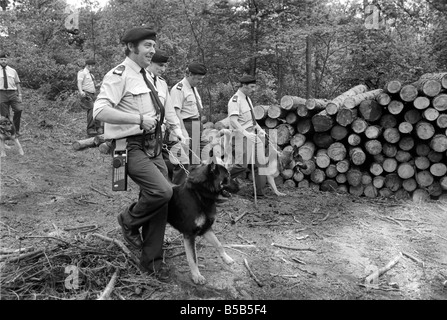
{"x": 291, "y": 102}
{"x": 333, "y": 106}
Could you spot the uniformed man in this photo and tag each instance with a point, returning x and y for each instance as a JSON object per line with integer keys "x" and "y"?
{"x": 246, "y": 130}
{"x": 87, "y": 92}
{"x": 188, "y": 106}
{"x": 156, "y": 69}
{"x": 10, "y": 93}
{"x": 133, "y": 111}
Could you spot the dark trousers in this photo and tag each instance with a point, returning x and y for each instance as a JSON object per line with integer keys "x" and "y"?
{"x": 10, "y": 99}
{"x": 87, "y": 103}
{"x": 194, "y": 129}
{"x": 151, "y": 210}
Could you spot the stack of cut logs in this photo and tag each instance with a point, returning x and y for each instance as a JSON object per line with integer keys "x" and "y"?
{"x": 382, "y": 142}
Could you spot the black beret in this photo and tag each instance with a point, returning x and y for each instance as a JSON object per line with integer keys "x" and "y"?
{"x": 139, "y": 33}
{"x": 197, "y": 68}
{"x": 247, "y": 79}
{"x": 90, "y": 62}
{"x": 3, "y": 55}
{"x": 160, "y": 56}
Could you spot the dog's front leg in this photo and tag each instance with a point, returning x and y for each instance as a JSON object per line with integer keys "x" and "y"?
{"x": 191, "y": 257}
{"x": 212, "y": 239}
{"x": 272, "y": 183}
{"x": 2, "y": 148}
{"x": 19, "y": 146}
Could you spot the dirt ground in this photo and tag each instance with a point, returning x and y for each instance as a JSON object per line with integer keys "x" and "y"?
{"x": 308, "y": 245}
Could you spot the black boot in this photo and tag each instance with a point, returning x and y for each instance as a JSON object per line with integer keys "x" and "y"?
{"x": 132, "y": 237}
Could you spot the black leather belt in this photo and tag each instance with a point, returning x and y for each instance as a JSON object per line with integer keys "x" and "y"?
{"x": 147, "y": 136}
{"x": 191, "y": 119}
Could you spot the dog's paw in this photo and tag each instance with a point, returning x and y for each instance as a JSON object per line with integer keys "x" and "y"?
{"x": 227, "y": 259}
{"x": 198, "y": 279}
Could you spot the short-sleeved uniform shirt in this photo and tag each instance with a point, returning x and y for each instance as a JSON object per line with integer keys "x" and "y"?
{"x": 13, "y": 78}
{"x": 183, "y": 98}
{"x": 238, "y": 105}
{"x": 88, "y": 81}
{"x": 124, "y": 89}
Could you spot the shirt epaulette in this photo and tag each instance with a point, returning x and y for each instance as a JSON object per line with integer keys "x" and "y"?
{"x": 179, "y": 86}
{"x": 234, "y": 98}
{"x": 119, "y": 70}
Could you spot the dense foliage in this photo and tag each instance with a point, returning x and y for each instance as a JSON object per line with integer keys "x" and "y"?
{"x": 352, "y": 42}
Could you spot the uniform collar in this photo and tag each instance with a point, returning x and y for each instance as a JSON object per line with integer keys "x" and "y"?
{"x": 186, "y": 83}
{"x": 133, "y": 65}
{"x": 241, "y": 94}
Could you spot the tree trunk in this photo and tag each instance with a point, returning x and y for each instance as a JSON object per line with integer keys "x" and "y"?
{"x": 316, "y": 104}
{"x": 354, "y": 176}
{"x": 337, "y": 151}
{"x": 428, "y": 87}
{"x": 292, "y": 118}
{"x": 405, "y": 170}
{"x": 424, "y": 130}
{"x": 393, "y": 182}
{"x": 422, "y": 149}
{"x": 421, "y": 102}
{"x": 304, "y": 126}
{"x": 440, "y": 102}
{"x": 441, "y": 122}
{"x": 329, "y": 185}
{"x": 307, "y": 150}
{"x": 345, "y": 116}
{"x": 291, "y": 102}
{"x": 276, "y": 112}
{"x": 422, "y": 163}
{"x": 322, "y": 160}
{"x": 373, "y": 147}
{"x": 357, "y": 156}
{"x": 389, "y": 165}
{"x": 420, "y": 195}
{"x": 331, "y": 171}
{"x": 341, "y": 178}
{"x": 356, "y": 190}
{"x": 322, "y": 122}
{"x": 395, "y": 107}
{"x": 424, "y": 178}
{"x": 403, "y": 156}
{"x": 441, "y": 77}
{"x": 354, "y": 139}
{"x": 261, "y": 111}
{"x": 298, "y": 176}
{"x": 388, "y": 121}
{"x": 406, "y": 143}
{"x": 342, "y": 166}
{"x": 409, "y": 184}
{"x": 405, "y": 127}
{"x": 284, "y": 133}
{"x": 389, "y": 150}
{"x": 317, "y": 176}
{"x": 383, "y": 99}
{"x": 338, "y": 132}
{"x": 271, "y": 123}
{"x": 376, "y": 169}
{"x": 354, "y": 101}
{"x": 393, "y": 87}
{"x": 408, "y": 93}
{"x": 298, "y": 140}
{"x": 438, "y": 169}
{"x": 333, "y": 106}
{"x": 391, "y": 135}
{"x": 443, "y": 182}
{"x": 412, "y": 116}
{"x": 373, "y": 131}
{"x": 370, "y": 191}
{"x": 370, "y": 110}
{"x": 430, "y": 114}
{"x": 378, "y": 182}
{"x": 359, "y": 125}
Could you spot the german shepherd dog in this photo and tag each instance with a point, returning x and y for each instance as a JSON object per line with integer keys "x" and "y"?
{"x": 192, "y": 210}
{"x": 8, "y": 132}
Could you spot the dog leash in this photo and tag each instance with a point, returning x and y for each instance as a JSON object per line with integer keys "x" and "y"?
{"x": 165, "y": 147}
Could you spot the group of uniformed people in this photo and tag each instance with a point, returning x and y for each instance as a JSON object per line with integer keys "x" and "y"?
{"x": 134, "y": 103}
